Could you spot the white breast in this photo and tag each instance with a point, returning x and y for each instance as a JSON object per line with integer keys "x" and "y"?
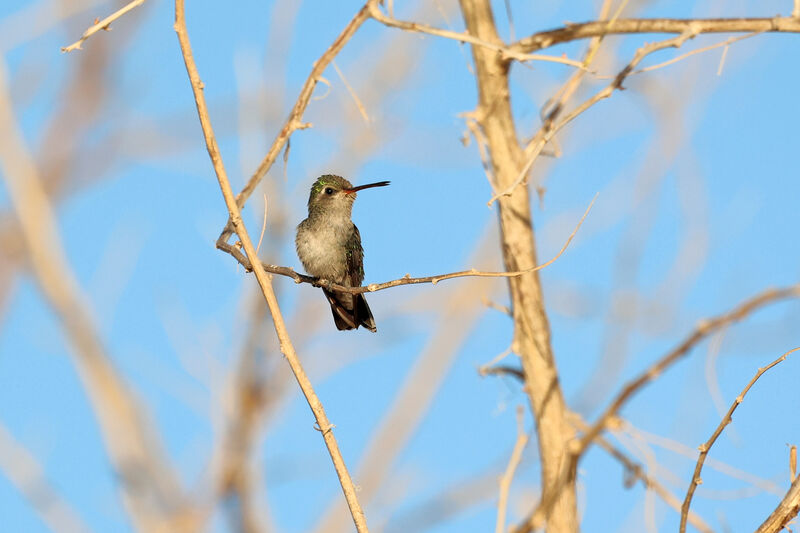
{"x": 321, "y": 249}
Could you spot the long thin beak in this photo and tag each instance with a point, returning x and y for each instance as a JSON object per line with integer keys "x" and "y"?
{"x": 367, "y": 186}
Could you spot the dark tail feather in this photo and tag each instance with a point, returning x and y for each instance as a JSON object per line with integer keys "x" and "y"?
{"x": 358, "y": 315}
{"x": 363, "y": 314}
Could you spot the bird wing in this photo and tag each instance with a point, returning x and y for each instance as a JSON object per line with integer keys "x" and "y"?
{"x": 355, "y": 258}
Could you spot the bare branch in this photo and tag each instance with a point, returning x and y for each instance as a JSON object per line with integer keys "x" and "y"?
{"x": 405, "y": 280}
{"x": 508, "y": 475}
{"x": 706, "y": 447}
{"x": 376, "y": 13}
{"x": 264, "y": 281}
{"x": 102, "y": 25}
{"x": 572, "y": 32}
{"x": 551, "y": 127}
{"x": 703, "y": 330}
{"x": 725, "y": 43}
{"x": 785, "y": 512}
{"x": 637, "y": 471}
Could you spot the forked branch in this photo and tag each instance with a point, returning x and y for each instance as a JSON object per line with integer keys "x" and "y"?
{"x": 706, "y": 446}
{"x": 264, "y": 281}
{"x": 573, "y": 32}
{"x": 405, "y": 280}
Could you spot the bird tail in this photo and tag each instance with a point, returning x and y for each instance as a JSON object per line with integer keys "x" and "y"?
{"x": 350, "y": 311}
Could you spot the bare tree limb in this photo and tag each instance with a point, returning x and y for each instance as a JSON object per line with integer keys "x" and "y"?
{"x": 264, "y": 281}
{"x": 638, "y": 471}
{"x": 376, "y": 13}
{"x": 102, "y": 25}
{"x": 551, "y": 126}
{"x": 531, "y": 325}
{"x": 706, "y": 447}
{"x": 632, "y": 468}
{"x": 703, "y": 330}
{"x": 405, "y": 280}
{"x": 785, "y": 512}
{"x": 572, "y": 32}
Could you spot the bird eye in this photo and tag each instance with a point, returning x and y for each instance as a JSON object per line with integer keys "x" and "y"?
{"x": 328, "y": 190}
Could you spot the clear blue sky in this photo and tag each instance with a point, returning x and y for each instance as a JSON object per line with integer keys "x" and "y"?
{"x": 697, "y": 175}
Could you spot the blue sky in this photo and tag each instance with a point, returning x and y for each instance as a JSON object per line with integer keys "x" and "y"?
{"x": 697, "y": 211}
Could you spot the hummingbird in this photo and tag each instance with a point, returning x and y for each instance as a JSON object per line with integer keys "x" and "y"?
{"x": 329, "y": 246}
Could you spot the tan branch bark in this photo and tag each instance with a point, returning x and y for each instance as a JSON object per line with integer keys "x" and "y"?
{"x": 405, "y": 280}
{"x": 706, "y": 446}
{"x": 102, "y": 25}
{"x": 264, "y": 281}
{"x": 376, "y": 13}
{"x": 786, "y": 511}
{"x": 573, "y": 32}
{"x": 531, "y": 328}
{"x": 552, "y": 126}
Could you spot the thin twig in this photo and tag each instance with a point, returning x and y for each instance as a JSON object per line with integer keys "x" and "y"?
{"x": 264, "y": 281}
{"x": 572, "y": 32}
{"x": 535, "y": 147}
{"x": 102, "y": 25}
{"x": 263, "y": 225}
{"x": 405, "y": 280}
{"x": 706, "y": 447}
{"x": 353, "y": 95}
{"x": 508, "y": 475}
{"x": 725, "y": 43}
{"x": 508, "y": 53}
{"x": 702, "y": 331}
{"x": 637, "y": 471}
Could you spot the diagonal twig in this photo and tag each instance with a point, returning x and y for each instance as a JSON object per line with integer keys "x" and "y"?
{"x": 102, "y": 25}
{"x": 551, "y": 127}
{"x": 508, "y": 53}
{"x": 508, "y": 475}
{"x": 264, "y": 281}
{"x": 407, "y": 279}
{"x": 572, "y": 32}
{"x": 706, "y": 446}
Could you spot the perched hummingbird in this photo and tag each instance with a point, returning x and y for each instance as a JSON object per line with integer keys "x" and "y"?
{"x": 329, "y": 246}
